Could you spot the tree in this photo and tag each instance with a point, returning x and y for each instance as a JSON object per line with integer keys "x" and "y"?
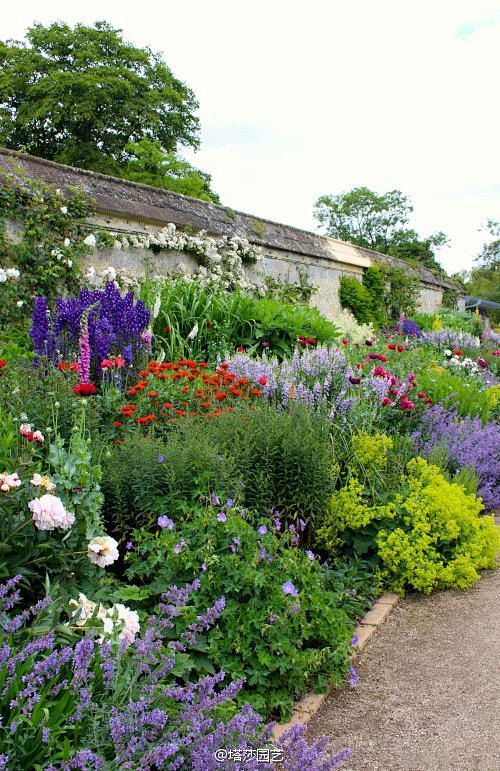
{"x": 83, "y": 95}
{"x": 377, "y": 222}
{"x": 483, "y": 280}
{"x": 150, "y": 164}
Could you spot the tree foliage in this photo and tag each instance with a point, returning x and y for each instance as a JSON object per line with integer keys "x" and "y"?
{"x": 378, "y": 222}
{"x": 483, "y": 280}
{"x": 85, "y": 97}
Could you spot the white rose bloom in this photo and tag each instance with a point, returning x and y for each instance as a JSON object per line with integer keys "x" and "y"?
{"x": 103, "y": 551}
{"x": 12, "y": 273}
{"x": 90, "y": 240}
{"x": 85, "y": 609}
{"x": 64, "y": 209}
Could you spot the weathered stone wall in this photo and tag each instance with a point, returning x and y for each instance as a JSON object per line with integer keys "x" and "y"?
{"x": 129, "y": 207}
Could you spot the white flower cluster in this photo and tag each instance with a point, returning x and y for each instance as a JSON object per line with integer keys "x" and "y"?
{"x": 98, "y": 279}
{"x": 220, "y": 259}
{"x": 7, "y": 274}
{"x": 118, "y": 618}
{"x": 351, "y": 329}
{"x": 469, "y": 366}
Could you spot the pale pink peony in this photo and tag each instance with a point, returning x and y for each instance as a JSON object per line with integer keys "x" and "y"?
{"x": 49, "y": 513}
{"x": 38, "y": 437}
{"x": 9, "y": 482}
{"x": 122, "y": 617}
{"x": 103, "y": 551}
{"x": 25, "y": 429}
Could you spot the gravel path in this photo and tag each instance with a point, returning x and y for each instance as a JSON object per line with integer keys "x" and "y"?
{"x": 428, "y": 693}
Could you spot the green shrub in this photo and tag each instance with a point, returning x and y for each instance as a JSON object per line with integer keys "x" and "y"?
{"x": 281, "y": 643}
{"x": 430, "y": 536}
{"x": 375, "y": 282}
{"x": 356, "y": 297}
{"x": 283, "y": 459}
{"x": 147, "y": 476}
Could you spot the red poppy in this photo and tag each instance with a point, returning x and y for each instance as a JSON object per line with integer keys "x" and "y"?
{"x": 400, "y": 348}
{"x": 166, "y": 329}
{"x": 106, "y": 364}
{"x": 119, "y": 362}
{"x": 220, "y": 397}
{"x": 116, "y": 423}
{"x": 263, "y": 380}
{"x": 392, "y": 346}
{"x": 85, "y": 389}
{"x": 345, "y": 341}
{"x": 240, "y": 349}
{"x": 3, "y": 363}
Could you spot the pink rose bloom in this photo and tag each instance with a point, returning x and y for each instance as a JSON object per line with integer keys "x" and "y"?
{"x": 49, "y": 513}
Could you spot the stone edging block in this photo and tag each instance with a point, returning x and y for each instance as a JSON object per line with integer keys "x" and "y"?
{"x": 310, "y": 704}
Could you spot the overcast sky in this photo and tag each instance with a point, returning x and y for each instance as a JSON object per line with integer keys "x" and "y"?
{"x": 298, "y": 99}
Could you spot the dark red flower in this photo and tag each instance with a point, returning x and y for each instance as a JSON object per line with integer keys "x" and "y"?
{"x": 345, "y": 341}
{"x": 368, "y": 342}
{"x": 354, "y": 380}
{"x": 263, "y": 380}
{"x": 400, "y": 348}
{"x": 457, "y": 352}
{"x": 85, "y": 389}
{"x": 392, "y": 346}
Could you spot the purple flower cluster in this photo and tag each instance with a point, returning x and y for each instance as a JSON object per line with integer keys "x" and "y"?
{"x": 466, "y": 443}
{"x": 408, "y": 327}
{"x": 314, "y": 377}
{"x": 115, "y": 325}
{"x": 128, "y": 699}
{"x": 450, "y": 338}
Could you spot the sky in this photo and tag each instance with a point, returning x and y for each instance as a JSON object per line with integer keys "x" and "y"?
{"x": 300, "y": 99}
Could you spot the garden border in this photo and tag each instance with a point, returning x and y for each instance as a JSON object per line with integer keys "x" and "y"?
{"x": 308, "y": 706}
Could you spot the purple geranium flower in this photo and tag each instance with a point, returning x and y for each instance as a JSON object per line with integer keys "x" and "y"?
{"x": 289, "y": 588}
{"x": 164, "y": 521}
{"x": 221, "y": 516}
{"x": 262, "y": 530}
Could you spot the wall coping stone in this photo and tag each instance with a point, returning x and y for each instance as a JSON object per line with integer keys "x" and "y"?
{"x": 135, "y": 201}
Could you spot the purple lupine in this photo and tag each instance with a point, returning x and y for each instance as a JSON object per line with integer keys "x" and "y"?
{"x": 115, "y": 324}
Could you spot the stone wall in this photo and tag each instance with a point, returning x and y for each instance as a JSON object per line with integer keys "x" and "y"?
{"x": 129, "y": 207}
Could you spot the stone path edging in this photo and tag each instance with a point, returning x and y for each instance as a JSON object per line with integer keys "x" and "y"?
{"x": 310, "y": 704}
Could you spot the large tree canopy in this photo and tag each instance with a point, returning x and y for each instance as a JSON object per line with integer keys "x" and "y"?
{"x": 83, "y": 96}
{"x": 377, "y": 222}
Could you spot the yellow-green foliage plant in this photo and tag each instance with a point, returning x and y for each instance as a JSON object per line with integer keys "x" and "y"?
{"x": 430, "y": 536}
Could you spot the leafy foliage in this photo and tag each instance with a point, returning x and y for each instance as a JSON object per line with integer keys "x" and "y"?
{"x": 428, "y": 536}
{"x": 80, "y": 95}
{"x": 280, "y": 643}
{"x": 378, "y": 221}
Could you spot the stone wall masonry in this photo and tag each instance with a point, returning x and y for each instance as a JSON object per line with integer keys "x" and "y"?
{"x": 129, "y": 207}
